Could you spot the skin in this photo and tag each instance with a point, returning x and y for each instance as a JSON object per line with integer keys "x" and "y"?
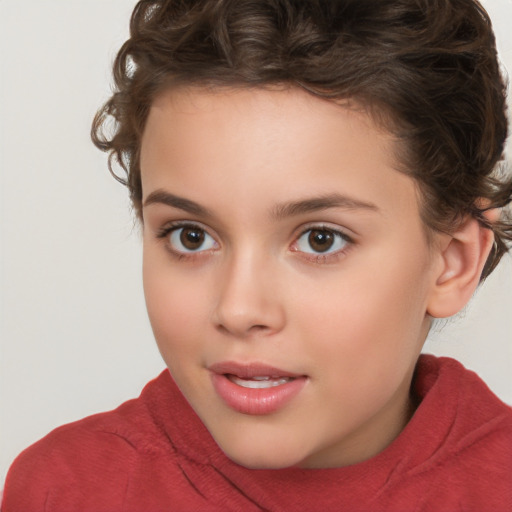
{"x": 352, "y": 319}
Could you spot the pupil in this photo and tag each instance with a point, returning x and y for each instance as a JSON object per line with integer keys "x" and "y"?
{"x": 321, "y": 240}
{"x": 192, "y": 238}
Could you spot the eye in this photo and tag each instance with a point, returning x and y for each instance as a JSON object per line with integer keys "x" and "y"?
{"x": 188, "y": 239}
{"x": 321, "y": 241}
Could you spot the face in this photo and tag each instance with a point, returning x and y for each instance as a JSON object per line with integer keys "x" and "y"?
{"x": 286, "y": 272}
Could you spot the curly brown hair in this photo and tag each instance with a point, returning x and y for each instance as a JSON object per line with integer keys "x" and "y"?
{"x": 429, "y": 67}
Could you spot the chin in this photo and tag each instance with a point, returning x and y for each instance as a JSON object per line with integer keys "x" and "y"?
{"x": 260, "y": 459}
{"x": 262, "y": 463}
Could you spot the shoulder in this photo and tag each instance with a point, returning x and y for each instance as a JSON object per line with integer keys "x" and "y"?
{"x": 468, "y": 413}
{"x": 477, "y": 411}
{"x": 89, "y": 459}
{"x": 471, "y": 444}
{"x": 482, "y": 434}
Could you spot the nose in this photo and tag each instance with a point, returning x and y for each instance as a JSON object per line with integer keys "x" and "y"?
{"x": 247, "y": 302}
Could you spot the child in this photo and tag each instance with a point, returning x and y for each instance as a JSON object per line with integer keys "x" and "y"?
{"x": 316, "y": 182}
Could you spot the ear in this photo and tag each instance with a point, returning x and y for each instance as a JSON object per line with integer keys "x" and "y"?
{"x": 462, "y": 258}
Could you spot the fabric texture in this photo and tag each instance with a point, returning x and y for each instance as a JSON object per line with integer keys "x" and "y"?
{"x": 154, "y": 454}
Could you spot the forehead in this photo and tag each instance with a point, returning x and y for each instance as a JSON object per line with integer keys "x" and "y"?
{"x": 270, "y": 105}
{"x": 275, "y": 143}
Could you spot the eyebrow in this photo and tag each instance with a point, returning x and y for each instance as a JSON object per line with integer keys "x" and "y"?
{"x": 321, "y": 203}
{"x": 162, "y": 197}
{"x": 280, "y": 211}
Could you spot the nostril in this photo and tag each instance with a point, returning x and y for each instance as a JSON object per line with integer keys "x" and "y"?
{"x": 259, "y": 328}
{"x": 222, "y": 329}
{"x": 252, "y": 330}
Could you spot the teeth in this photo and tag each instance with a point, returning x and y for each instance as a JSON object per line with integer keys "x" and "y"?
{"x": 259, "y": 382}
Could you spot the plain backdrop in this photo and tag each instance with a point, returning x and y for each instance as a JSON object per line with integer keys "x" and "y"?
{"x": 74, "y": 334}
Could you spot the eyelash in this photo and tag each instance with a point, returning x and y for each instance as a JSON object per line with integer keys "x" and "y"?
{"x": 166, "y": 232}
{"x": 318, "y": 258}
{"x": 324, "y": 258}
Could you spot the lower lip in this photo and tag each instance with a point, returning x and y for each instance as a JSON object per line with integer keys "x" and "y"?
{"x": 256, "y": 401}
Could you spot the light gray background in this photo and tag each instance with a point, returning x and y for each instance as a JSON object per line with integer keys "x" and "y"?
{"x": 74, "y": 334}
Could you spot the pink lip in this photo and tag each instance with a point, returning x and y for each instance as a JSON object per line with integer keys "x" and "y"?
{"x": 254, "y": 401}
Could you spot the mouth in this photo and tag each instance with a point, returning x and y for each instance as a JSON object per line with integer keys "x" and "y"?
{"x": 255, "y": 389}
{"x": 259, "y": 382}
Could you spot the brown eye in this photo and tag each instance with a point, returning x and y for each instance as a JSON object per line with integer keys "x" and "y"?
{"x": 187, "y": 239}
{"x": 320, "y": 240}
{"x": 192, "y": 238}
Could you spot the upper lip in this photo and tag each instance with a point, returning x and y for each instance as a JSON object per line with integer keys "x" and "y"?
{"x": 249, "y": 370}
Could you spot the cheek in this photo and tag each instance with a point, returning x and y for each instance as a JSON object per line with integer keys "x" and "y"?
{"x": 175, "y": 308}
{"x": 364, "y": 338}
{"x": 374, "y": 309}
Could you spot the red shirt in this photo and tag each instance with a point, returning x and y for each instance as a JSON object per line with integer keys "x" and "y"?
{"x": 154, "y": 454}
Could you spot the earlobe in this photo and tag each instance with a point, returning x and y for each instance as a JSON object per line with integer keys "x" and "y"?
{"x": 462, "y": 259}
